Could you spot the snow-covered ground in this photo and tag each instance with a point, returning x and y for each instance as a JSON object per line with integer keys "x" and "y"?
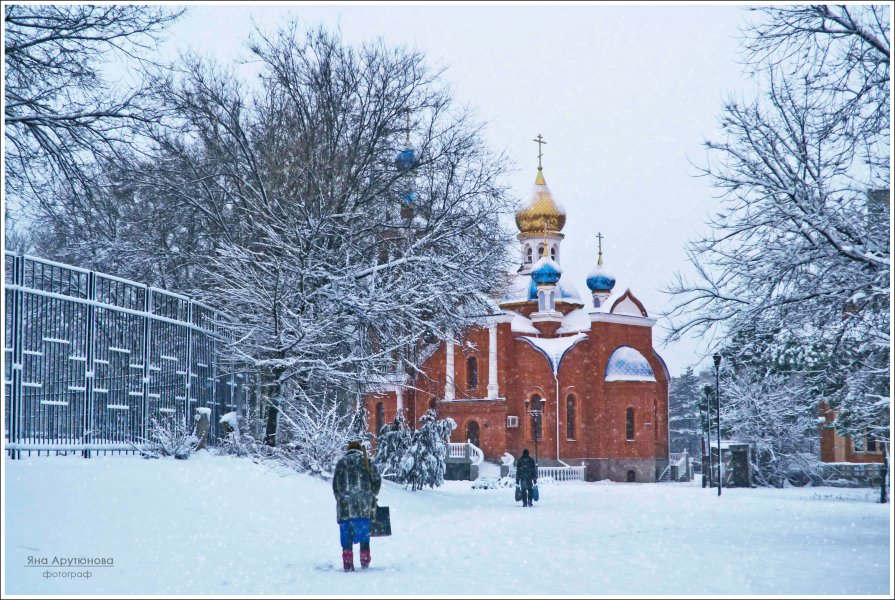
{"x": 217, "y": 525}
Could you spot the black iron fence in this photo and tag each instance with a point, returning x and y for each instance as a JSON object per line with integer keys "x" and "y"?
{"x": 91, "y": 359}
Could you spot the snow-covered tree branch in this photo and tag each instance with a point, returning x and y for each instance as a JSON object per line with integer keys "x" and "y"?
{"x": 799, "y": 251}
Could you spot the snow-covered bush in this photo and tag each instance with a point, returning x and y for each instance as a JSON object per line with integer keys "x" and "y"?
{"x": 236, "y": 441}
{"x": 424, "y": 462}
{"x": 392, "y": 444}
{"x": 168, "y": 437}
{"x": 317, "y": 432}
{"x": 493, "y": 483}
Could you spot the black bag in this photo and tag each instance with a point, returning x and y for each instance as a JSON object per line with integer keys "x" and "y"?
{"x": 534, "y": 493}
{"x": 381, "y": 525}
{"x": 518, "y": 492}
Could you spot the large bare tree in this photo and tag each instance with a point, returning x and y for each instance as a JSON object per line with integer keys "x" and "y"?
{"x": 795, "y": 269}
{"x": 344, "y": 211}
{"x": 61, "y": 109}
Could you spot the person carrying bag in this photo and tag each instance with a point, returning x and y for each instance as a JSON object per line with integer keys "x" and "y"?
{"x": 355, "y": 485}
{"x": 526, "y": 478}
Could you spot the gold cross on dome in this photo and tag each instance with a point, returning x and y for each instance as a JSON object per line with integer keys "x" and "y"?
{"x": 599, "y": 248}
{"x": 540, "y": 141}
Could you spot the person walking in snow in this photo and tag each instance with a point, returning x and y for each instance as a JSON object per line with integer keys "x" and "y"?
{"x": 356, "y": 483}
{"x": 526, "y": 476}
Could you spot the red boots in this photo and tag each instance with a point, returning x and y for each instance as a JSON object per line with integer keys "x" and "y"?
{"x": 348, "y": 559}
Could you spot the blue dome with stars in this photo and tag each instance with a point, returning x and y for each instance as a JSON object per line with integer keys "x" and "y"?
{"x": 546, "y": 271}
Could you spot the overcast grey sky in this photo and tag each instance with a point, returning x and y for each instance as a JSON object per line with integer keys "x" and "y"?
{"x": 624, "y": 96}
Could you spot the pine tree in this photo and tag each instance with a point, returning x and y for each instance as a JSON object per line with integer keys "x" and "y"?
{"x": 392, "y": 444}
{"x": 684, "y": 424}
{"x": 424, "y": 462}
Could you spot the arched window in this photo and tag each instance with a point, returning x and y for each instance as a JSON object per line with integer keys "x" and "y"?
{"x": 541, "y": 250}
{"x": 472, "y": 373}
{"x": 553, "y": 252}
{"x": 629, "y": 424}
{"x": 536, "y": 417}
{"x": 570, "y": 417}
{"x": 472, "y": 433}
{"x": 632, "y": 476}
{"x": 528, "y": 254}
{"x": 380, "y": 417}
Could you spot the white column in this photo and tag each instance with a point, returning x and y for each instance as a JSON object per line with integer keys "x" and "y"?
{"x": 399, "y": 396}
{"x": 449, "y": 387}
{"x": 493, "y": 391}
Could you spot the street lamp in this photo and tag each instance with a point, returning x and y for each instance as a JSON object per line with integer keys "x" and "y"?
{"x": 717, "y": 358}
{"x": 707, "y": 437}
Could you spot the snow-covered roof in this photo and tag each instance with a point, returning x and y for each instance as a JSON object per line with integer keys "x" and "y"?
{"x": 627, "y": 364}
{"x": 523, "y": 289}
{"x": 628, "y": 304}
{"x": 576, "y": 321}
{"x": 554, "y": 349}
{"x": 386, "y": 382}
{"x": 522, "y": 324}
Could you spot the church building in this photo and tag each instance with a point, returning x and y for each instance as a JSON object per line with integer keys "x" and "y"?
{"x": 579, "y": 379}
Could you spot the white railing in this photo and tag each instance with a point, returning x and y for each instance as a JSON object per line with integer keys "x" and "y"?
{"x": 562, "y": 473}
{"x": 558, "y": 473}
{"x": 677, "y": 458}
{"x": 457, "y": 451}
{"x": 466, "y": 450}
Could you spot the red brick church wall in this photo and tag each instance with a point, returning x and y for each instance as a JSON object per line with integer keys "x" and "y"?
{"x": 523, "y": 370}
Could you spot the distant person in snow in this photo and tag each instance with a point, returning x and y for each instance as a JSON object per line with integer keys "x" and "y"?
{"x": 526, "y": 476}
{"x": 356, "y": 482}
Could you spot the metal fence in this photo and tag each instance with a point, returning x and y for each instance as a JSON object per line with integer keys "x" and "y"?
{"x": 91, "y": 359}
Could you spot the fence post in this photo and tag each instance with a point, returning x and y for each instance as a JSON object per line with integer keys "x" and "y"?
{"x": 147, "y": 363}
{"x": 213, "y": 367}
{"x": 89, "y": 365}
{"x": 15, "y": 399}
{"x": 187, "y": 398}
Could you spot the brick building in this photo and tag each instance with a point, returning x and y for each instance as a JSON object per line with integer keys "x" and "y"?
{"x": 835, "y": 448}
{"x": 587, "y": 371}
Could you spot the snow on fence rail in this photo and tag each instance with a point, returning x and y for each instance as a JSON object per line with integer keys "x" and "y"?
{"x": 91, "y": 358}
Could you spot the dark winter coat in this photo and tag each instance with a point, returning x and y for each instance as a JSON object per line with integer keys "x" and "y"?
{"x": 526, "y": 471}
{"x": 356, "y": 482}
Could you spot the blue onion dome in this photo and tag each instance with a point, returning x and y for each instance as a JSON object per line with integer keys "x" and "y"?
{"x": 408, "y": 198}
{"x": 600, "y": 280}
{"x": 406, "y": 159}
{"x": 546, "y": 270}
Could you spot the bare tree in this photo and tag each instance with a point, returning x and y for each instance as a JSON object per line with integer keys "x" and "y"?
{"x": 799, "y": 252}
{"x": 61, "y": 110}
{"x": 343, "y": 212}
{"x": 843, "y": 50}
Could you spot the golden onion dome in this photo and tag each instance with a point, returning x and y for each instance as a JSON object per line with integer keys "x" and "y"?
{"x": 543, "y": 213}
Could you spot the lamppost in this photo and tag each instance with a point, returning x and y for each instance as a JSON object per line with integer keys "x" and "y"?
{"x": 707, "y": 437}
{"x": 717, "y": 358}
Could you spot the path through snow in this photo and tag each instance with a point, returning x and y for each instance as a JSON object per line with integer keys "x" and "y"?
{"x": 221, "y": 525}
